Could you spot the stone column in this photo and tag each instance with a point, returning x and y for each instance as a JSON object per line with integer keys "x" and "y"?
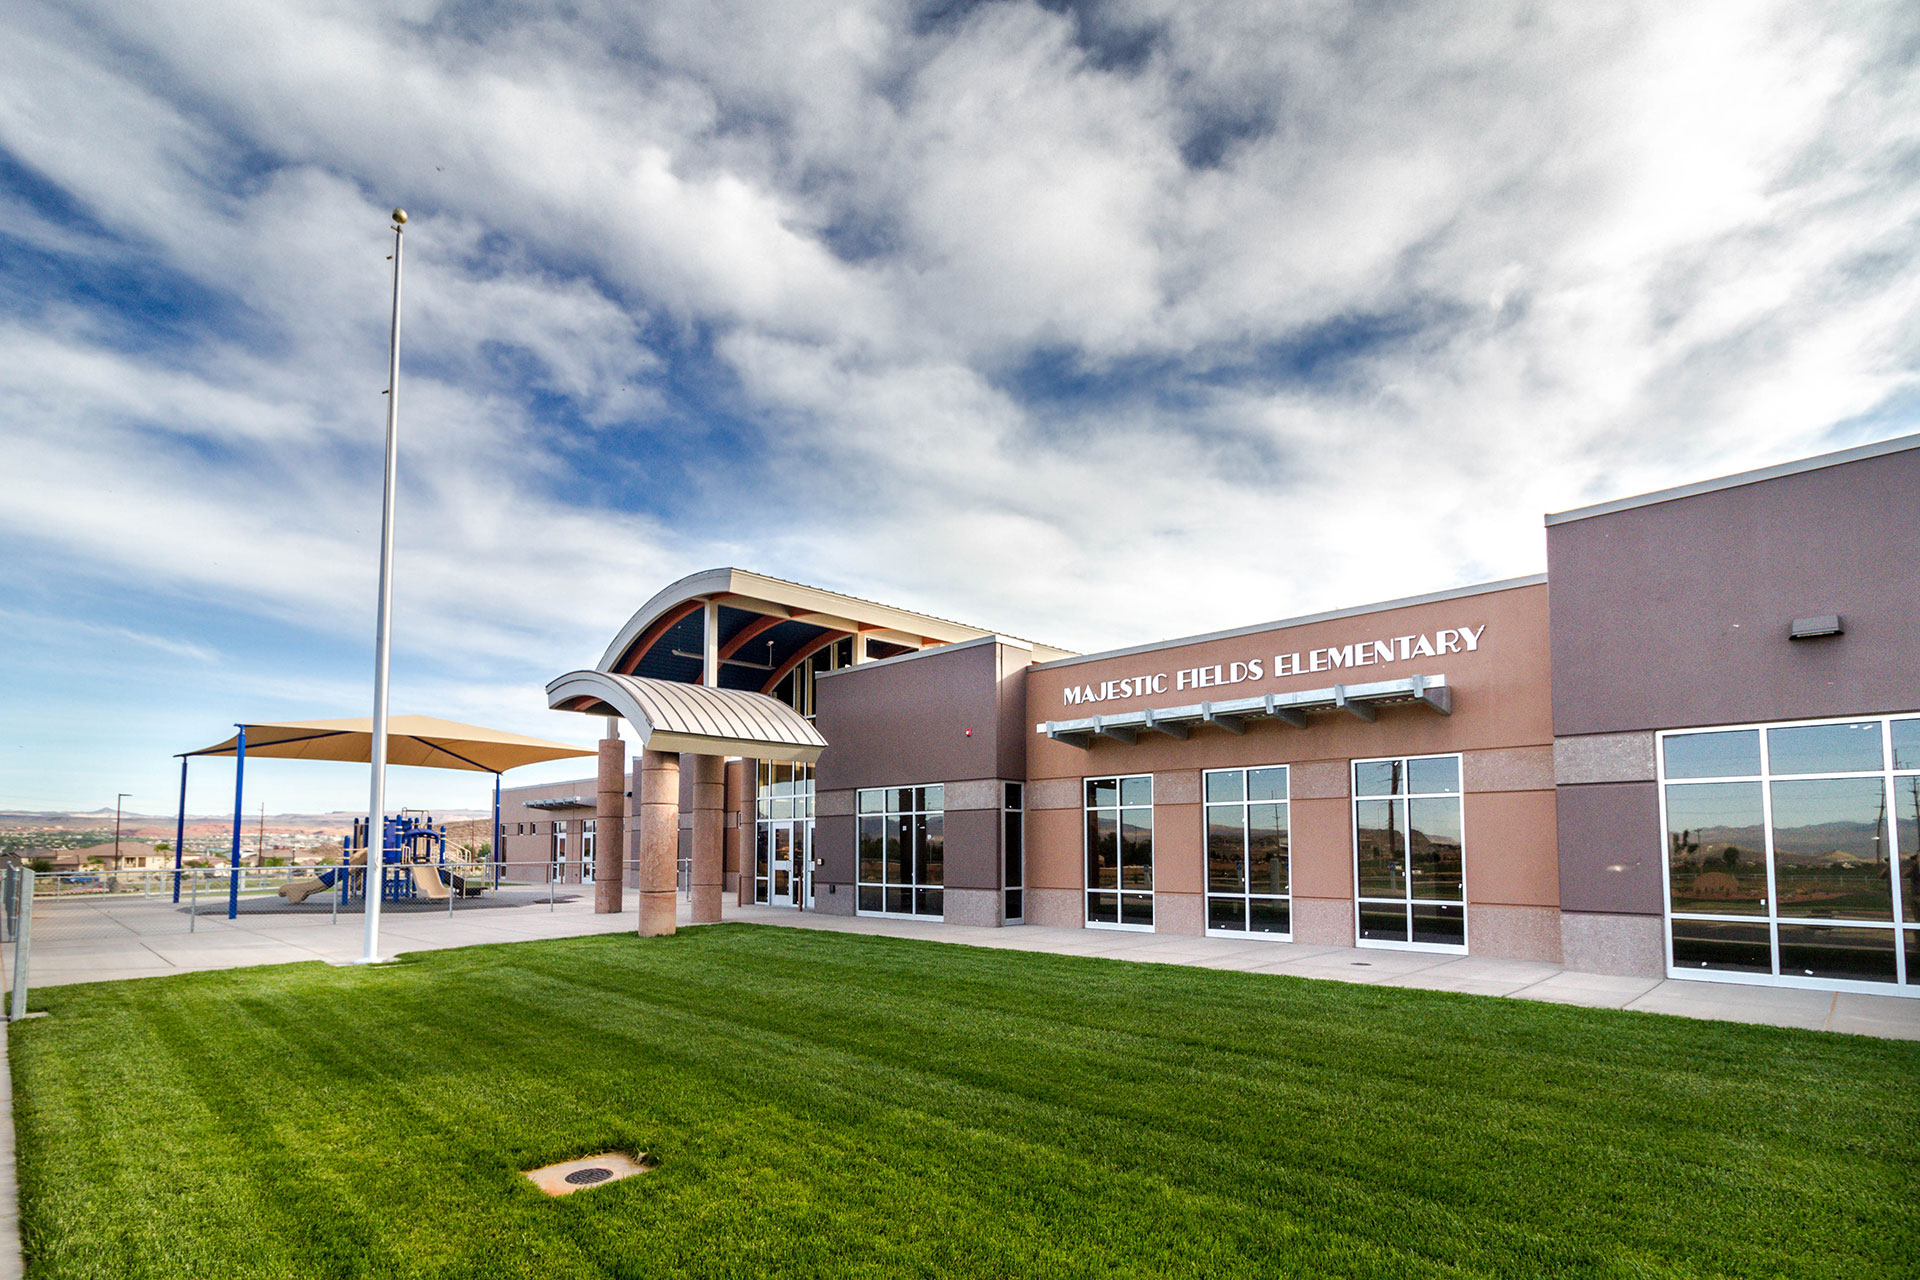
{"x": 709, "y": 824}
{"x": 659, "y": 841}
{"x": 610, "y": 826}
{"x": 737, "y": 776}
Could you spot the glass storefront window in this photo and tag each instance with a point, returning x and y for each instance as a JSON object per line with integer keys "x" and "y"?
{"x": 1733, "y": 753}
{"x": 901, "y": 862}
{"x": 1409, "y": 860}
{"x": 1249, "y": 888}
{"x": 1793, "y": 850}
{"x": 1119, "y": 814}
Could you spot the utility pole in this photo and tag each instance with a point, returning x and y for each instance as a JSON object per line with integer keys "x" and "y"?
{"x": 376, "y": 874}
{"x": 260, "y": 838}
{"x": 116, "y": 827}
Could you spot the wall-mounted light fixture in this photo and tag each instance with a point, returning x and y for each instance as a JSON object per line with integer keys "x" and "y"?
{"x": 1826, "y": 624}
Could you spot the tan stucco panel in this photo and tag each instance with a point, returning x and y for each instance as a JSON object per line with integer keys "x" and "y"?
{"x": 1179, "y": 861}
{"x": 1054, "y": 849}
{"x": 1322, "y": 848}
{"x": 1511, "y": 850}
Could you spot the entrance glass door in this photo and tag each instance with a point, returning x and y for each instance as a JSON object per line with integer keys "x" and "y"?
{"x": 782, "y": 865}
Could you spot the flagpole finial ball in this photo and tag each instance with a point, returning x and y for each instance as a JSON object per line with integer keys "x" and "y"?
{"x": 399, "y": 215}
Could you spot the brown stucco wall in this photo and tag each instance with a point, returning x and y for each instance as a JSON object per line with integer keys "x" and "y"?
{"x": 530, "y": 851}
{"x": 1676, "y": 614}
{"x": 1610, "y": 848}
{"x": 951, "y": 715}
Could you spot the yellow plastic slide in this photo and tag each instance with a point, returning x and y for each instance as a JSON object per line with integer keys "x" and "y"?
{"x": 301, "y": 890}
{"x": 426, "y": 878}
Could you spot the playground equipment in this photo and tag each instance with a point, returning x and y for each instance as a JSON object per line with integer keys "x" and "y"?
{"x": 413, "y": 865}
{"x": 411, "y": 740}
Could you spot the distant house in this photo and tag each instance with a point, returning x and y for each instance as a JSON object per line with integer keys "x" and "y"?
{"x": 58, "y": 859}
{"x": 134, "y": 855}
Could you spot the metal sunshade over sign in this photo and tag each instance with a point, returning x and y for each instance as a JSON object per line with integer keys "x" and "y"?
{"x": 1359, "y": 700}
{"x": 671, "y": 716}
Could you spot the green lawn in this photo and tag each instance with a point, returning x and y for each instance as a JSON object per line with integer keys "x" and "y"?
{"x": 831, "y": 1105}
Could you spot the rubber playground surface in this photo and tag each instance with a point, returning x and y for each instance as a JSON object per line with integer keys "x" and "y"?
{"x": 832, "y": 1104}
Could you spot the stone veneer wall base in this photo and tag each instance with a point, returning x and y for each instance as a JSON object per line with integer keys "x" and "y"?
{"x": 839, "y": 902}
{"x": 1514, "y": 933}
{"x": 1060, "y": 908}
{"x": 1323, "y": 922}
{"x": 1631, "y": 946}
{"x": 1179, "y": 913}
{"x": 979, "y": 908}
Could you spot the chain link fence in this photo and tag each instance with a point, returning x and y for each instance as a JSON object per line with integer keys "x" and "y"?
{"x": 97, "y": 912}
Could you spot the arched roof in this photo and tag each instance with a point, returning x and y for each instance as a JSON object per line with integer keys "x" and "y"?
{"x": 764, "y": 623}
{"x": 673, "y": 716}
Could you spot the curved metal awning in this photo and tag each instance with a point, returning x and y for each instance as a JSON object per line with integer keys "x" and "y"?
{"x": 671, "y": 716}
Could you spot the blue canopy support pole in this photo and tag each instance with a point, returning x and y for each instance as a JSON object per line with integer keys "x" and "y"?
{"x": 496, "y": 827}
{"x": 180, "y": 828}
{"x": 239, "y": 782}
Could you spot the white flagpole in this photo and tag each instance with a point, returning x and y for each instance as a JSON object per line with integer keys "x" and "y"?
{"x": 375, "y": 877}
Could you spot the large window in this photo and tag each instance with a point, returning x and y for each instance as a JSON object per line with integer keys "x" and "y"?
{"x": 1120, "y": 852}
{"x": 589, "y": 842}
{"x": 1783, "y": 842}
{"x": 903, "y": 838}
{"x": 796, "y": 688}
{"x": 1013, "y": 850}
{"x": 559, "y": 851}
{"x": 1408, "y": 853}
{"x": 1248, "y": 885}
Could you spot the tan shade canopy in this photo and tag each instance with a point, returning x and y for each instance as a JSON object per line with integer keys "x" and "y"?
{"x": 412, "y": 740}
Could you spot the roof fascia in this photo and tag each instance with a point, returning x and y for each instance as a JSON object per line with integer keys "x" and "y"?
{"x": 1799, "y": 466}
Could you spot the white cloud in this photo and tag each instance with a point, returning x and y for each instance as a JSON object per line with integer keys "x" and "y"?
{"x": 795, "y": 285}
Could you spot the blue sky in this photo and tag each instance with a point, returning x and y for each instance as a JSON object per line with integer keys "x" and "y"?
{"x": 1093, "y": 323}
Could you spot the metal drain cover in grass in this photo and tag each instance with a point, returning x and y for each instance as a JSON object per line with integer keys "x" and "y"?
{"x": 569, "y": 1176}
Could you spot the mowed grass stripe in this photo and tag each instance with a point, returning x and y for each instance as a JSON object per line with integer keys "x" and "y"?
{"x": 839, "y": 1105}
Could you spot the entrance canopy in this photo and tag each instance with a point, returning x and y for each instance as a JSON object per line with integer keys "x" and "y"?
{"x": 731, "y": 629}
{"x": 671, "y": 716}
{"x": 411, "y": 740}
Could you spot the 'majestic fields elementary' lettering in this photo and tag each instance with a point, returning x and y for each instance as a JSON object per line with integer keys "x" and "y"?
{"x": 1346, "y": 657}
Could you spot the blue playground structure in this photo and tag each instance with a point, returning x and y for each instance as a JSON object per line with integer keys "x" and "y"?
{"x": 413, "y": 865}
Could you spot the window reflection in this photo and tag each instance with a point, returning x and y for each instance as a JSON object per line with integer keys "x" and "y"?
{"x": 1831, "y": 855}
{"x": 1906, "y": 744}
{"x": 1119, "y": 850}
{"x": 1248, "y": 888}
{"x": 1410, "y": 850}
{"x": 1825, "y": 870}
{"x": 1826, "y": 951}
{"x": 1380, "y": 830}
{"x": 902, "y": 862}
{"x": 1824, "y": 748}
{"x": 1716, "y": 852}
{"x": 1728, "y": 754}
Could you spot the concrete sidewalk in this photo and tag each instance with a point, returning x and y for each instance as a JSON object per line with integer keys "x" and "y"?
{"x": 105, "y": 940}
{"x": 1891, "y": 1017}
{"x": 145, "y": 940}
